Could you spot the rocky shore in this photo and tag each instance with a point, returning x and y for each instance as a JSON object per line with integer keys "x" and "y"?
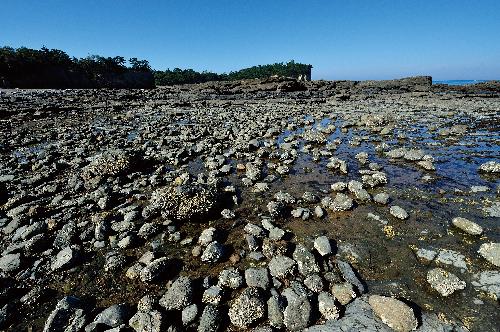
{"x": 260, "y": 205}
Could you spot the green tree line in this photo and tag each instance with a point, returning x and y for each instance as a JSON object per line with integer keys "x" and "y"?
{"x": 188, "y": 76}
{"x": 46, "y": 68}
{"x": 25, "y": 64}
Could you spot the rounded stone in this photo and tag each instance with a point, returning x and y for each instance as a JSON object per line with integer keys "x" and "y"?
{"x": 467, "y": 226}
{"x": 396, "y": 314}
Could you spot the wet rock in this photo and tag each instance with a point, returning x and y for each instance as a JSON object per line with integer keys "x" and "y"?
{"x": 337, "y": 164}
{"x": 396, "y": 314}
{"x": 488, "y": 281}
{"x": 444, "y": 282}
{"x": 494, "y": 209}
{"x": 490, "y": 252}
{"x": 450, "y": 257}
{"x": 179, "y": 295}
{"x": 213, "y": 252}
{"x": 431, "y": 323}
{"x": 281, "y": 266}
{"x": 398, "y": 212}
{"x": 247, "y": 309}
{"x": 467, "y": 226}
{"x": 68, "y": 315}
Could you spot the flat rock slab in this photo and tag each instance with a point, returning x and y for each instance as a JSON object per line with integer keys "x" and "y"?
{"x": 396, "y": 314}
{"x": 488, "y": 281}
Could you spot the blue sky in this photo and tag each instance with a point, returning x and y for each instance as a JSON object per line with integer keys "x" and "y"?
{"x": 348, "y": 39}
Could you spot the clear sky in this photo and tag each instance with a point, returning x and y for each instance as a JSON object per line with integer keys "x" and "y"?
{"x": 348, "y": 39}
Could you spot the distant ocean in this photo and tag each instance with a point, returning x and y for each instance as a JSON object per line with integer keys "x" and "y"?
{"x": 459, "y": 82}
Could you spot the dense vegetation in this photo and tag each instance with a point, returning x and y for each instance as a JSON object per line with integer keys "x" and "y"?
{"x": 45, "y": 68}
{"x": 186, "y": 76}
{"x": 51, "y": 68}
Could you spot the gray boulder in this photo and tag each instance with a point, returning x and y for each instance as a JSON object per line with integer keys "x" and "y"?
{"x": 64, "y": 258}
{"x": 10, "y": 262}
{"x": 257, "y": 277}
{"x": 179, "y": 295}
{"x": 210, "y": 319}
{"x": 113, "y": 316}
{"x": 305, "y": 260}
{"x": 247, "y": 309}
{"x": 68, "y": 315}
{"x": 281, "y": 266}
